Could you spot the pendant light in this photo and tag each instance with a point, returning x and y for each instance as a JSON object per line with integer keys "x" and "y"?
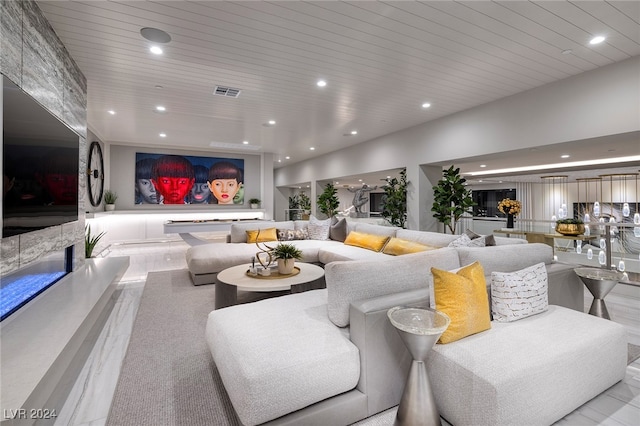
{"x": 636, "y": 215}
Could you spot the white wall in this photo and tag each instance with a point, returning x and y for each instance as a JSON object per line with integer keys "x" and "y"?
{"x": 567, "y": 110}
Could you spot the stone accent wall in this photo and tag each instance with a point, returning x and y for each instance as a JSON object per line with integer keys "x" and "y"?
{"x": 33, "y": 57}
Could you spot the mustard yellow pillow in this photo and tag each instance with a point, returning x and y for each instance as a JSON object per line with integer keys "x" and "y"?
{"x": 264, "y": 235}
{"x": 366, "y": 241}
{"x": 463, "y": 296}
{"x": 398, "y": 246}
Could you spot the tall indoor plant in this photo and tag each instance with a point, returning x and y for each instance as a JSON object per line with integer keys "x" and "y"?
{"x": 451, "y": 198}
{"x": 328, "y": 202}
{"x": 394, "y": 202}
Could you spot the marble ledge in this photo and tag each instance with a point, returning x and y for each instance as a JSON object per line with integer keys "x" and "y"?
{"x": 39, "y": 342}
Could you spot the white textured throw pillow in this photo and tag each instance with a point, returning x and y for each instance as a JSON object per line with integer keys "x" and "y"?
{"x": 319, "y": 229}
{"x": 465, "y": 241}
{"x": 519, "y": 294}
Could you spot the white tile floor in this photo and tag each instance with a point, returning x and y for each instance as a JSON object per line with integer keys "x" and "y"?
{"x": 89, "y": 401}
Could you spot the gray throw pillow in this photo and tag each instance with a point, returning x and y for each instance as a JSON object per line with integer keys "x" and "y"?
{"x": 338, "y": 230}
{"x": 489, "y": 240}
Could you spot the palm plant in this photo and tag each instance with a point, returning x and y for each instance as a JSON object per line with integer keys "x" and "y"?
{"x": 286, "y": 251}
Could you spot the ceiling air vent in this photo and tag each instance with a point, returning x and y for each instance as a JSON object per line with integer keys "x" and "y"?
{"x": 226, "y": 91}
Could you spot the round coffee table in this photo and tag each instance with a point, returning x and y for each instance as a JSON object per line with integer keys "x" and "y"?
{"x": 420, "y": 329}
{"x": 235, "y": 278}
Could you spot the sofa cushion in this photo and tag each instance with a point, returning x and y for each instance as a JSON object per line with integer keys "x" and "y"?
{"x": 398, "y": 246}
{"x": 519, "y": 294}
{"x": 462, "y": 295}
{"x": 489, "y": 240}
{"x": 292, "y": 234}
{"x": 262, "y": 235}
{"x": 368, "y": 228}
{"x": 464, "y": 241}
{"x": 279, "y": 355}
{"x": 238, "y": 232}
{"x": 338, "y": 230}
{"x": 434, "y": 239}
{"x": 318, "y": 229}
{"x": 351, "y": 281}
{"x": 506, "y": 258}
{"x": 529, "y": 372}
{"x": 366, "y": 241}
{"x": 342, "y": 252}
{"x": 214, "y": 257}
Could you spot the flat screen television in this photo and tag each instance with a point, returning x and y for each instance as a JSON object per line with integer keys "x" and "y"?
{"x": 40, "y": 165}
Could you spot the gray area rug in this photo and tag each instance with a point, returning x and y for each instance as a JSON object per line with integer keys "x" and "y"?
{"x": 168, "y": 376}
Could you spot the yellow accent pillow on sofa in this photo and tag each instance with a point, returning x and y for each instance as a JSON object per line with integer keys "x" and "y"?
{"x": 268, "y": 234}
{"x": 398, "y": 246}
{"x": 366, "y": 241}
{"x": 463, "y": 296}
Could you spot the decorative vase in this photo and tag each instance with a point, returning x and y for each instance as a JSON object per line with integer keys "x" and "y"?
{"x": 509, "y": 221}
{"x": 285, "y": 266}
{"x": 109, "y": 207}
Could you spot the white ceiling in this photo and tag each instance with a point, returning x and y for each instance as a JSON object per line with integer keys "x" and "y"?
{"x": 381, "y": 60}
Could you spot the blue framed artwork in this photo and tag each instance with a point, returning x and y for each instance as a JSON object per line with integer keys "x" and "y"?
{"x": 186, "y": 179}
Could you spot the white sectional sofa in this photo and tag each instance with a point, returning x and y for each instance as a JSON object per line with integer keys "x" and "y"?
{"x": 205, "y": 261}
{"x": 330, "y": 356}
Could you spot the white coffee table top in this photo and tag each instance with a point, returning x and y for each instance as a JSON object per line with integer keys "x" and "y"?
{"x": 237, "y": 276}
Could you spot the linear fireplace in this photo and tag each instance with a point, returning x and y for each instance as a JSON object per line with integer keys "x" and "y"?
{"x": 20, "y": 287}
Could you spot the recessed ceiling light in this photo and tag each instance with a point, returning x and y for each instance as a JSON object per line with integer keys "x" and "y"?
{"x": 155, "y": 50}
{"x": 272, "y": 122}
{"x": 483, "y": 165}
{"x": 163, "y": 135}
{"x": 287, "y": 158}
{"x": 157, "y": 86}
{"x": 354, "y": 132}
{"x": 112, "y": 112}
{"x": 565, "y": 156}
{"x": 388, "y": 177}
{"x": 160, "y": 108}
{"x": 597, "y": 40}
{"x": 245, "y": 142}
{"x": 321, "y": 83}
{"x": 359, "y": 180}
{"x": 426, "y": 105}
{"x": 155, "y": 35}
{"x": 567, "y": 52}
{"x": 279, "y": 160}
{"x": 337, "y": 183}
{"x": 311, "y": 148}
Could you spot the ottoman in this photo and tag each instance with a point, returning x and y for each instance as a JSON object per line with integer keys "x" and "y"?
{"x": 533, "y": 371}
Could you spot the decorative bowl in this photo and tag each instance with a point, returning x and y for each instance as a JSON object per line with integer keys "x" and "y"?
{"x": 570, "y": 228}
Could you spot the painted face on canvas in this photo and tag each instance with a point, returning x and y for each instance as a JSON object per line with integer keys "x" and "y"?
{"x": 200, "y": 193}
{"x": 224, "y": 190}
{"x": 146, "y": 191}
{"x": 173, "y": 189}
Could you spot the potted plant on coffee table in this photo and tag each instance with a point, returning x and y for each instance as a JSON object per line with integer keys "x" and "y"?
{"x": 286, "y": 254}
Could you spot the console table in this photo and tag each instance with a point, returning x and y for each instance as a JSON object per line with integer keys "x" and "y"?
{"x": 544, "y": 237}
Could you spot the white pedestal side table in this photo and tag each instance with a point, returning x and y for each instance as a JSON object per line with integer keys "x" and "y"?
{"x": 420, "y": 329}
{"x": 599, "y": 282}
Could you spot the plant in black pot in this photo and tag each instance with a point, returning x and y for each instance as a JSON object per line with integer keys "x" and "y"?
{"x": 570, "y": 226}
{"x": 286, "y": 254}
